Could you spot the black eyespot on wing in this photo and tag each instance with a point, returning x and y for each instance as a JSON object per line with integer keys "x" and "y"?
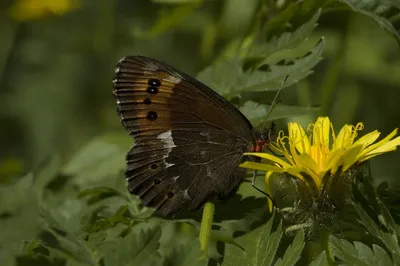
{"x": 154, "y": 83}
{"x": 147, "y": 101}
{"x": 152, "y": 115}
{"x": 152, "y": 90}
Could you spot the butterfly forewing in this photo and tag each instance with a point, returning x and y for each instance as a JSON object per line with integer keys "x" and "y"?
{"x": 188, "y": 139}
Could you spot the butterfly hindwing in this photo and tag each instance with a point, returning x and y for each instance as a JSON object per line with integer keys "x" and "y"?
{"x": 188, "y": 139}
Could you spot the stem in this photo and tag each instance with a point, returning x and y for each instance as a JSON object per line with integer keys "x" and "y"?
{"x": 325, "y": 246}
{"x": 206, "y": 225}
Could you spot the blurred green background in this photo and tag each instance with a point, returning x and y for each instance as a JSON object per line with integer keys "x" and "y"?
{"x": 57, "y": 62}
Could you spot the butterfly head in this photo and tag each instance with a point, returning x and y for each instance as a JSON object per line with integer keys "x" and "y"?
{"x": 263, "y": 139}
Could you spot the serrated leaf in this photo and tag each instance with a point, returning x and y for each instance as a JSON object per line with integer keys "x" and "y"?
{"x": 46, "y": 171}
{"x": 377, "y": 10}
{"x": 257, "y": 80}
{"x": 263, "y": 80}
{"x": 166, "y": 21}
{"x": 389, "y": 240}
{"x": 188, "y": 253}
{"x": 215, "y": 75}
{"x": 257, "y": 113}
{"x": 293, "y": 252}
{"x": 260, "y": 247}
{"x": 298, "y": 69}
{"x": 101, "y": 158}
{"x": 321, "y": 260}
{"x": 137, "y": 248}
{"x": 57, "y": 238}
{"x": 358, "y": 254}
{"x": 97, "y": 194}
{"x": 19, "y": 209}
{"x": 287, "y": 40}
{"x": 381, "y": 254}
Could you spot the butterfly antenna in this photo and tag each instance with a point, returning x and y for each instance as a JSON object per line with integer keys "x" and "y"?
{"x": 275, "y": 100}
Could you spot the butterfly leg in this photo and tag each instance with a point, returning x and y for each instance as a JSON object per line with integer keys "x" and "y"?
{"x": 253, "y": 184}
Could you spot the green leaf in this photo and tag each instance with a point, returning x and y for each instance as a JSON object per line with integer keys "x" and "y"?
{"x": 39, "y": 261}
{"x": 215, "y": 75}
{"x": 321, "y": 260}
{"x": 295, "y": 69}
{"x": 137, "y": 248}
{"x": 9, "y": 169}
{"x": 259, "y": 80}
{"x": 359, "y": 254}
{"x": 293, "y": 252}
{"x": 57, "y": 238}
{"x": 102, "y": 157}
{"x": 168, "y": 20}
{"x": 389, "y": 240}
{"x": 268, "y": 73}
{"x": 287, "y": 40}
{"x": 377, "y": 10}
{"x": 19, "y": 209}
{"x": 188, "y": 253}
{"x": 257, "y": 113}
{"x": 97, "y": 194}
{"x": 260, "y": 247}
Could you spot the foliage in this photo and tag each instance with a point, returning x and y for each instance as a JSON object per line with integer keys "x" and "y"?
{"x": 56, "y": 102}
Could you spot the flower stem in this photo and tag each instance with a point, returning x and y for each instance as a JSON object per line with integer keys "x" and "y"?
{"x": 206, "y": 226}
{"x": 325, "y": 246}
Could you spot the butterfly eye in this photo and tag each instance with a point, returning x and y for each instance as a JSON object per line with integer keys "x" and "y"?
{"x": 152, "y": 115}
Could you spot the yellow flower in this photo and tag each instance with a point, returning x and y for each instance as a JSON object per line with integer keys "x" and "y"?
{"x": 24, "y": 10}
{"x": 312, "y": 157}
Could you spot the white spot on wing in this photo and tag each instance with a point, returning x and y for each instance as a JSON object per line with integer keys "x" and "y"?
{"x": 175, "y": 178}
{"x": 122, "y": 59}
{"x": 173, "y": 79}
{"x": 167, "y": 165}
{"x": 168, "y": 144}
{"x": 209, "y": 171}
{"x": 186, "y": 194}
{"x": 151, "y": 66}
{"x": 166, "y": 137}
{"x": 117, "y": 69}
{"x": 204, "y": 133}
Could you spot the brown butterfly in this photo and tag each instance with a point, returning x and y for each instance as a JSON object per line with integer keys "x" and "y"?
{"x": 189, "y": 140}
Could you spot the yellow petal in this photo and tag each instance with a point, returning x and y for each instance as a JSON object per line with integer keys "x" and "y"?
{"x": 343, "y": 139}
{"x": 262, "y": 167}
{"x": 321, "y": 132}
{"x": 388, "y": 146}
{"x": 310, "y": 167}
{"x": 268, "y": 188}
{"x": 368, "y": 139}
{"x": 349, "y": 158}
{"x": 298, "y": 137}
{"x": 269, "y": 157}
{"x": 380, "y": 143}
